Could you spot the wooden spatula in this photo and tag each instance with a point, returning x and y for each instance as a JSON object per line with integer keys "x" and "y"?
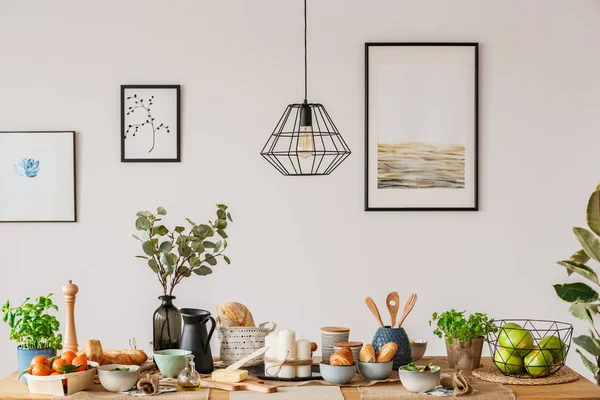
{"x": 410, "y": 303}
{"x": 374, "y": 310}
{"x": 239, "y": 364}
{"x": 393, "y": 304}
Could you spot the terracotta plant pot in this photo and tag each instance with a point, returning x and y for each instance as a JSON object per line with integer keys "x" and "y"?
{"x": 465, "y": 356}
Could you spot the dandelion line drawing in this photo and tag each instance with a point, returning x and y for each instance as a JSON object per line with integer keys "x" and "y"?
{"x": 148, "y": 119}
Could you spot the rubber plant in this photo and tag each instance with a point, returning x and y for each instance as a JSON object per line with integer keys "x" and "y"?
{"x": 584, "y": 298}
{"x": 176, "y": 254}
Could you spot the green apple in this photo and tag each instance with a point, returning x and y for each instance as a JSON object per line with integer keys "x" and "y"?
{"x": 508, "y": 360}
{"x": 513, "y": 336}
{"x": 555, "y": 346}
{"x": 538, "y": 362}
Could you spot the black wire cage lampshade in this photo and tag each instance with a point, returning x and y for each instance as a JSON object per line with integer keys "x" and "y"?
{"x": 305, "y": 141}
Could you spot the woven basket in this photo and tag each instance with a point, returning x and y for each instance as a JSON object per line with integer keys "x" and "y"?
{"x": 240, "y": 341}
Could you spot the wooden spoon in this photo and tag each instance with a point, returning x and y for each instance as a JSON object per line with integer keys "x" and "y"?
{"x": 410, "y": 303}
{"x": 374, "y": 310}
{"x": 393, "y": 304}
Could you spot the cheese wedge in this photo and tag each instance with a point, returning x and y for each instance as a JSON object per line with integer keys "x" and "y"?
{"x": 223, "y": 375}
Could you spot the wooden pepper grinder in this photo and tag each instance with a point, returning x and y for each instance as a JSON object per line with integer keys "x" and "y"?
{"x": 69, "y": 291}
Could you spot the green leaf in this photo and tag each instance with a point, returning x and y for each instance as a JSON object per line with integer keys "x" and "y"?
{"x": 229, "y": 217}
{"x": 220, "y": 224}
{"x": 186, "y": 251}
{"x": 580, "y": 257}
{"x": 153, "y": 265}
{"x": 165, "y": 247}
{"x": 182, "y": 270}
{"x": 211, "y": 260}
{"x": 136, "y": 237}
{"x": 203, "y": 271}
{"x": 589, "y": 242}
{"x": 581, "y": 269}
{"x": 208, "y": 244}
{"x": 144, "y": 257}
{"x": 576, "y": 293}
{"x": 218, "y": 246}
{"x": 583, "y": 311}
{"x": 589, "y": 344}
{"x": 222, "y": 207}
{"x": 191, "y": 222}
{"x": 227, "y": 260}
{"x": 198, "y": 247}
{"x": 142, "y": 224}
{"x": 161, "y": 211}
{"x": 172, "y": 259}
{"x": 590, "y": 365}
{"x": 194, "y": 261}
{"x": 593, "y": 212}
{"x": 222, "y": 233}
{"x": 160, "y": 230}
{"x": 179, "y": 229}
{"x": 221, "y": 214}
{"x": 148, "y": 248}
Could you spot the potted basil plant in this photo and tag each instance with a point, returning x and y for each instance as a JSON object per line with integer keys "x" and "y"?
{"x": 34, "y": 329}
{"x": 464, "y": 336}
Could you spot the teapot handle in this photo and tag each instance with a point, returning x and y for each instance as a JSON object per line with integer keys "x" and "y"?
{"x": 210, "y": 333}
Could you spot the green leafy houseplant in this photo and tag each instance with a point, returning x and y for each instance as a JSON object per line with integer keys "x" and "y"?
{"x": 454, "y": 325}
{"x": 464, "y": 336}
{"x": 31, "y": 325}
{"x": 176, "y": 254}
{"x": 583, "y": 298}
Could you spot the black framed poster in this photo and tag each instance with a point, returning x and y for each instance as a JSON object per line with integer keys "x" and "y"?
{"x": 421, "y": 126}
{"x": 150, "y": 123}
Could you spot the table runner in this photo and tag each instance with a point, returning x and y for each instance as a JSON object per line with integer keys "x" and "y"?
{"x": 293, "y": 393}
{"x": 97, "y": 392}
{"x": 357, "y": 381}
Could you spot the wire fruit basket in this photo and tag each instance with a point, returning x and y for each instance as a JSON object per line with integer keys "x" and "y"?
{"x": 528, "y": 348}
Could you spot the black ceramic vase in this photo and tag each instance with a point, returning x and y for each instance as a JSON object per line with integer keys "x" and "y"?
{"x": 196, "y": 338}
{"x": 397, "y": 335}
{"x": 166, "y": 333}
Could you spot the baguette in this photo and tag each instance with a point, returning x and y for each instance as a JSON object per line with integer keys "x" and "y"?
{"x": 387, "y": 352}
{"x": 367, "y": 353}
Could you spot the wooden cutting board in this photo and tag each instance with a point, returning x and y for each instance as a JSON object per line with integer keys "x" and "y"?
{"x": 254, "y": 385}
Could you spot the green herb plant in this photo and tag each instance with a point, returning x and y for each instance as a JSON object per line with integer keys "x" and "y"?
{"x": 31, "y": 325}
{"x": 584, "y": 299}
{"x": 455, "y": 325}
{"x": 176, "y": 254}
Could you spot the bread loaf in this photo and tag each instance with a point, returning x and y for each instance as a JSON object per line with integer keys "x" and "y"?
{"x": 342, "y": 357}
{"x": 367, "y": 353}
{"x": 234, "y": 314}
{"x": 94, "y": 352}
{"x": 387, "y": 352}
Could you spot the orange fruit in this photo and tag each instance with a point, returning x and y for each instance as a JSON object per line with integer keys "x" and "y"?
{"x": 41, "y": 370}
{"x": 68, "y": 356}
{"x": 56, "y": 373}
{"x": 56, "y": 364}
{"x": 39, "y": 360}
{"x": 81, "y": 361}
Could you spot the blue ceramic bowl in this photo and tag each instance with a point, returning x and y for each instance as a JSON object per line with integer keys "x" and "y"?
{"x": 397, "y": 335}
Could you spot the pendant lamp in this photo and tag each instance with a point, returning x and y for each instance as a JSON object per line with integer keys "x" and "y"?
{"x": 305, "y": 141}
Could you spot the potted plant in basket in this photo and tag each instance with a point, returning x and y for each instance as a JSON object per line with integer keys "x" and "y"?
{"x": 464, "y": 336}
{"x": 177, "y": 254}
{"x": 34, "y": 329}
{"x": 584, "y": 298}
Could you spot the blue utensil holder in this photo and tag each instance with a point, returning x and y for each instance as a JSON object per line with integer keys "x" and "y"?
{"x": 397, "y": 335}
{"x": 24, "y": 357}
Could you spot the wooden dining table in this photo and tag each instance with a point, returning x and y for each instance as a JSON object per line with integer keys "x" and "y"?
{"x": 581, "y": 389}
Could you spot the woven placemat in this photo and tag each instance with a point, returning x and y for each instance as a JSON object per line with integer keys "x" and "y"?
{"x": 492, "y": 374}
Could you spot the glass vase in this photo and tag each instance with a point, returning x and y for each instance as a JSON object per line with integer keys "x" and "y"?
{"x": 167, "y": 325}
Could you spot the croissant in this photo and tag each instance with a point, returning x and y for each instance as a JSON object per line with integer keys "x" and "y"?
{"x": 234, "y": 314}
{"x": 387, "y": 352}
{"x": 342, "y": 357}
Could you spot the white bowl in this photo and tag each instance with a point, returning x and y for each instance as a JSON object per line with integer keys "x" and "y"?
{"x": 374, "y": 371}
{"x": 118, "y": 378}
{"x": 337, "y": 374}
{"x": 419, "y": 382}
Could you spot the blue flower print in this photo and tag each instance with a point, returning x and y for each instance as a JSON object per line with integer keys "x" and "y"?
{"x": 28, "y": 167}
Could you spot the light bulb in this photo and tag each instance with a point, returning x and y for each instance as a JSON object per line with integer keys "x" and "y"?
{"x": 306, "y": 145}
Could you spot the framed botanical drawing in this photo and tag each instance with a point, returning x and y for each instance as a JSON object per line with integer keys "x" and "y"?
{"x": 421, "y": 126}
{"x": 37, "y": 177}
{"x": 150, "y": 123}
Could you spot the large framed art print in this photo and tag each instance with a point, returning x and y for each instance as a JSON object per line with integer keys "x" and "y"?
{"x": 37, "y": 177}
{"x": 421, "y": 126}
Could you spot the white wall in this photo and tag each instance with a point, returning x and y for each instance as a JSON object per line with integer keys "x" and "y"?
{"x": 304, "y": 252}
